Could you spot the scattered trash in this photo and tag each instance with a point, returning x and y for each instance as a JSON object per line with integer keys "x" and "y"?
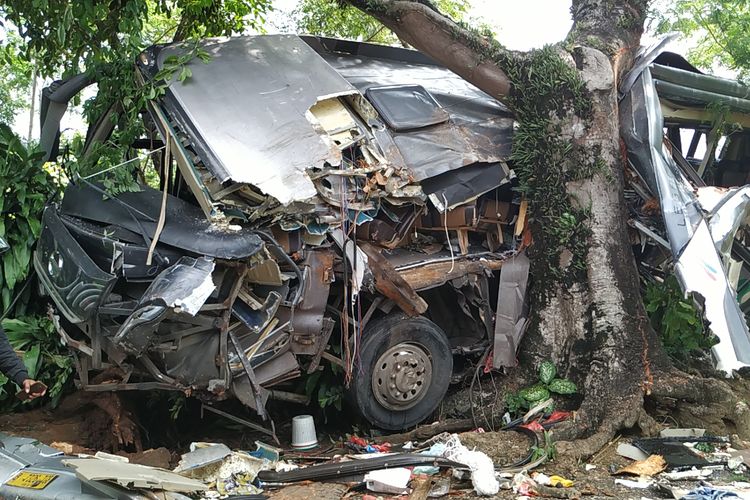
{"x": 132, "y": 475}
{"x": 673, "y": 450}
{"x": 303, "y": 432}
{"x": 560, "y": 482}
{"x": 640, "y": 484}
{"x": 266, "y": 451}
{"x": 393, "y": 481}
{"x": 672, "y": 433}
{"x": 421, "y": 486}
{"x": 441, "y": 487}
{"x": 361, "y": 445}
{"x": 709, "y": 493}
{"x": 589, "y": 467}
{"x": 332, "y": 470}
{"x": 687, "y": 474}
{"x": 743, "y": 455}
{"x": 108, "y": 456}
{"x": 649, "y": 467}
{"x": 554, "y": 481}
{"x": 202, "y": 454}
{"x": 482, "y": 469}
{"x": 522, "y": 484}
{"x": 629, "y": 451}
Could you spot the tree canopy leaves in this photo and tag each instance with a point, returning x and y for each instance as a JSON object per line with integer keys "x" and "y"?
{"x": 103, "y": 39}
{"x": 15, "y": 78}
{"x": 331, "y": 18}
{"x": 720, "y": 30}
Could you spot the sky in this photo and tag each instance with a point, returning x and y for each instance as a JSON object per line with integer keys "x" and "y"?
{"x": 527, "y": 24}
{"x": 518, "y": 25}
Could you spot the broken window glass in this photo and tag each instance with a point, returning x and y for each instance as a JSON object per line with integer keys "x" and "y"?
{"x": 406, "y": 107}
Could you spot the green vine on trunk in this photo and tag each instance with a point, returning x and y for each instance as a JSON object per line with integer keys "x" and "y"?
{"x": 549, "y": 99}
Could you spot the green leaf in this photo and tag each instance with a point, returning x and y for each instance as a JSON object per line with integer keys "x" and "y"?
{"x": 185, "y": 73}
{"x": 547, "y": 372}
{"x": 31, "y": 360}
{"x": 562, "y": 386}
{"x": 534, "y": 394}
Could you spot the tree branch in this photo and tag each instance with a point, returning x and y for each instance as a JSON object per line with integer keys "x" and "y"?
{"x": 451, "y": 45}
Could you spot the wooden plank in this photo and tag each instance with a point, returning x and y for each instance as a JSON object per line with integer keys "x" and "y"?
{"x": 435, "y": 274}
{"x": 391, "y": 284}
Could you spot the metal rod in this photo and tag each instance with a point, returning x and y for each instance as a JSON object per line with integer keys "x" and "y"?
{"x": 259, "y": 428}
{"x": 250, "y": 376}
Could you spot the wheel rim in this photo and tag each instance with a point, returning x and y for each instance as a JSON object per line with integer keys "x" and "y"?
{"x": 402, "y": 376}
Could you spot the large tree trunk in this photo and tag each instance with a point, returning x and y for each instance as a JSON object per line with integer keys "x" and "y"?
{"x": 588, "y": 313}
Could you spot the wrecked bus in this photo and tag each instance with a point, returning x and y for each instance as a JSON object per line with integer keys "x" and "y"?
{"x": 330, "y": 201}
{"x": 321, "y": 201}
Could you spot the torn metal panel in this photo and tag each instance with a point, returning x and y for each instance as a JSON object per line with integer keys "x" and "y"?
{"x": 182, "y": 288}
{"x": 642, "y": 130}
{"x": 132, "y": 475}
{"x": 254, "y": 314}
{"x": 700, "y": 269}
{"x": 698, "y": 264}
{"x": 646, "y": 56}
{"x": 67, "y": 272}
{"x": 479, "y": 130}
{"x": 726, "y": 215}
{"x": 451, "y": 189}
{"x": 269, "y": 79}
{"x": 308, "y": 317}
{"x": 187, "y": 228}
{"x": 185, "y": 286}
{"x": 511, "y": 312}
{"x": 278, "y": 369}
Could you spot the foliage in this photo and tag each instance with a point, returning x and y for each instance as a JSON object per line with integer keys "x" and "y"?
{"x": 548, "y": 449}
{"x": 113, "y": 153}
{"x": 546, "y": 162}
{"x": 547, "y": 385}
{"x": 26, "y": 188}
{"x": 325, "y": 387}
{"x": 15, "y": 77}
{"x": 675, "y": 318}
{"x": 331, "y": 18}
{"x": 705, "y": 447}
{"x": 45, "y": 357}
{"x": 718, "y": 30}
{"x": 103, "y": 38}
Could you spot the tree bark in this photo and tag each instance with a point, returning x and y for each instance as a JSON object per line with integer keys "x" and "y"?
{"x": 591, "y": 323}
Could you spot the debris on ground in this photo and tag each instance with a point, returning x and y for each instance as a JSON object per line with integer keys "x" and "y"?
{"x": 649, "y": 467}
{"x": 455, "y": 465}
{"x": 392, "y": 481}
{"x": 482, "y": 469}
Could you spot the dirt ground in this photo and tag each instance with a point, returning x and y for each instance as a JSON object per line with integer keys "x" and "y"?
{"x": 74, "y": 434}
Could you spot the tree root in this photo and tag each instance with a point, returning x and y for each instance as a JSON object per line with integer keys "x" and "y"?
{"x": 581, "y": 437}
{"x": 718, "y": 405}
{"x": 683, "y": 400}
{"x": 111, "y": 426}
